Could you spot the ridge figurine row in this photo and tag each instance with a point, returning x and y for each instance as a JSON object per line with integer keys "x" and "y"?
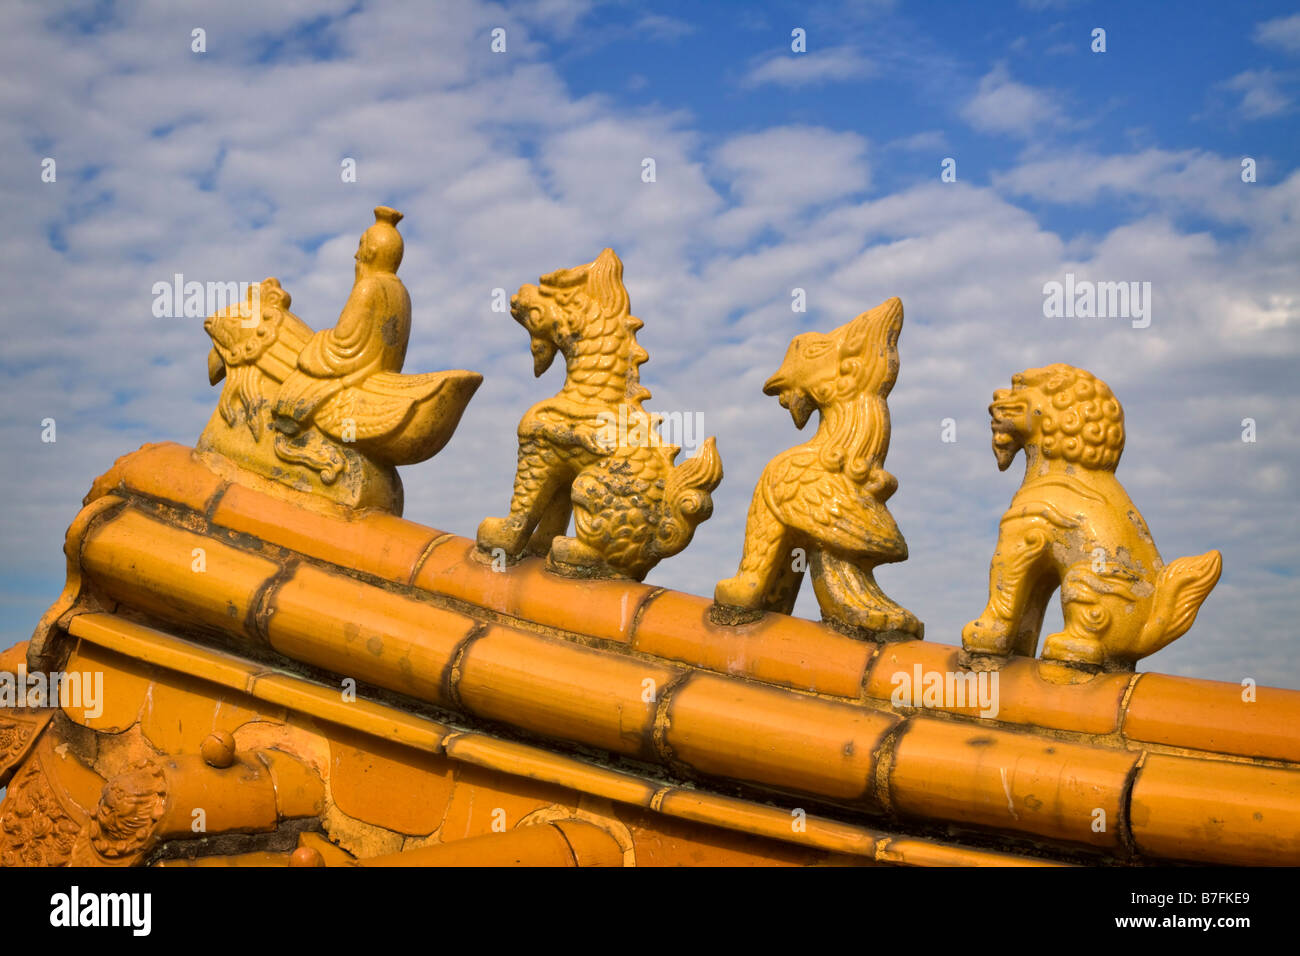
{"x": 331, "y": 414}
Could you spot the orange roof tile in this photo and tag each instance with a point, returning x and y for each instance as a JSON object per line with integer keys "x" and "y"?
{"x": 781, "y": 709}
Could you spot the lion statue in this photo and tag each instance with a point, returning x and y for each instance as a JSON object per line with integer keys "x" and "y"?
{"x": 1071, "y": 525}
{"x": 631, "y": 506}
{"x": 822, "y": 503}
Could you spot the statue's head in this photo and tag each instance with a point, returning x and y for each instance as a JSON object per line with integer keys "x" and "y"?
{"x": 1066, "y": 412}
{"x": 241, "y": 334}
{"x": 569, "y": 305}
{"x": 822, "y": 368}
{"x": 380, "y": 249}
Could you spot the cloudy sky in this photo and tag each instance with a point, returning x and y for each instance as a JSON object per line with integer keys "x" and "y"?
{"x": 774, "y": 170}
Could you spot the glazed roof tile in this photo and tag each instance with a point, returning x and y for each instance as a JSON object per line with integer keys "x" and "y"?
{"x": 782, "y": 707}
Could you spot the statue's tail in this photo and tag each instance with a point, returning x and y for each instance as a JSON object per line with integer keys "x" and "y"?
{"x": 687, "y": 499}
{"x": 1181, "y": 588}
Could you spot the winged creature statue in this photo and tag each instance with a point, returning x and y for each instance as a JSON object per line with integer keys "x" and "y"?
{"x": 820, "y": 506}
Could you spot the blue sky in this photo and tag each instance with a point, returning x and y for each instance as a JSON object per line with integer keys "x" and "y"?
{"x": 775, "y": 170}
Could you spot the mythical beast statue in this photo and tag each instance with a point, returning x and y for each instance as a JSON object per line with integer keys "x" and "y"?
{"x": 1071, "y": 525}
{"x": 630, "y": 505}
{"x": 825, "y": 499}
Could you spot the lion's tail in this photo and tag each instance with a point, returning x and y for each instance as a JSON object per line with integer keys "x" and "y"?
{"x": 1181, "y": 588}
{"x": 687, "y": 499}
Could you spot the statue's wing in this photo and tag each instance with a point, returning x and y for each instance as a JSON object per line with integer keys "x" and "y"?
{"x": 376, "y": 407}
{"x": 396, "y": 385}
{"x": 829, "y": 508}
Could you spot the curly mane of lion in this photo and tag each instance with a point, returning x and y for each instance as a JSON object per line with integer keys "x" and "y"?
{"x": 1083, "y": 422}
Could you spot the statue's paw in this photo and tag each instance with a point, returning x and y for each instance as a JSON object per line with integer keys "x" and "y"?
{"x": 882, "y": 621}
{"x": 1074, "y": 649}
{"x": 596, "y": 441}
{"x": 909, "y": 623}
{"x": 739, "y": 591}
{"x": 573, "y": 557}
{"x": 987, "y": 635}
{"x": 501, "y": 534}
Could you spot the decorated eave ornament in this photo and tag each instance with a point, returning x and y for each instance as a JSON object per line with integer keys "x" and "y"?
{"x": 295, "y": 675}
{"x": 329, "y": 412}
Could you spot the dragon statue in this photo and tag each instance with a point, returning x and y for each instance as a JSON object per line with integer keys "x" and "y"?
{"x": 631, "y": 506}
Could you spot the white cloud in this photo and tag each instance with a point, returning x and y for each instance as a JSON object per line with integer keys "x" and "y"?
{"x": 1261, "y": 96}
{"x": 777, "y": 173}
{"x": 932, "y": 141}
{"x": 1002, "y": 105}
{"x": 662, "y": 27}
{"x": 560, "y": 17}
{"x": 1282, "y": 33}
{"x": 1189, "y": 178}
{"x": 816, "y": 67}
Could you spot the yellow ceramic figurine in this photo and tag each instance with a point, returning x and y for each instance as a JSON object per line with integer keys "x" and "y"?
{"x": 1071, "y": 525}
{"x": 329, "y": 412}
{"x": 822, "y": 503}
{"x": 592, "y": 450}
